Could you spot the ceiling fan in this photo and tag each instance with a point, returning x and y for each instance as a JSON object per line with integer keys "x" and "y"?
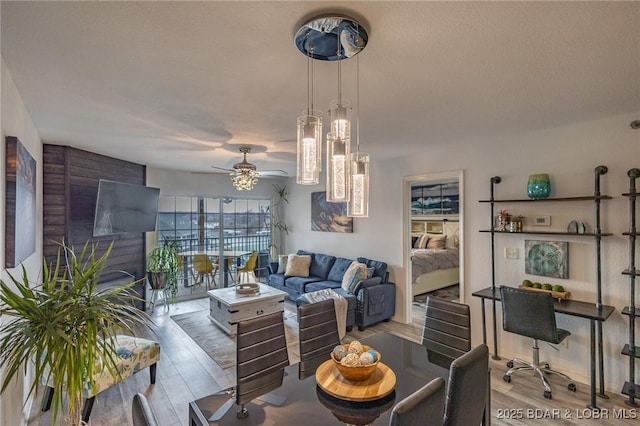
{"x": 244, "y": 165}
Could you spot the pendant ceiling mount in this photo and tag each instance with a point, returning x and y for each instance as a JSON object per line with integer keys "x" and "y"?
{"x": 331, "y": 38}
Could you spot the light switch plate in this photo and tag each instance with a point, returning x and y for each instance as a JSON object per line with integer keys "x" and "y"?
{"x": 542, "y": 220}
{"x": 511, "y": 253}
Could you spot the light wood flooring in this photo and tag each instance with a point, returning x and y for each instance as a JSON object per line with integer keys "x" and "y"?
{"x": 185, "y": 373}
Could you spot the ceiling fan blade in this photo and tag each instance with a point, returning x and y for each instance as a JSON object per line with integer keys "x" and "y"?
{"x": 273, "y": 173}
{"x": 222, "y": 168}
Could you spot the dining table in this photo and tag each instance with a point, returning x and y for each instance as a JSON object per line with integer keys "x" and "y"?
{"x": 226, "y": 254}
{"x": 305, "y": 402}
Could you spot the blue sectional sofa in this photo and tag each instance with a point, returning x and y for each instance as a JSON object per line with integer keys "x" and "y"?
{"x": 372, "y": 300}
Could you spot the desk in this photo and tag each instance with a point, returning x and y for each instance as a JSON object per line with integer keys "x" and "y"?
{"x": 226, "y": 254}
{"x": 570, "y": 307}
{"x": 307, "y": 404}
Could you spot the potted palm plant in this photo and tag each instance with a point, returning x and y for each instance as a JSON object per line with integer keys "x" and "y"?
{"x": 163, "y": 269}
{"x": 65, "y": 325}
{"x": 277, "y": 223}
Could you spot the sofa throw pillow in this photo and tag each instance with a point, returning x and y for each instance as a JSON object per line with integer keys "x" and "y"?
{"x": 370, "y": 272}
{"x": 297, "y": 266}
{"x": 436, "y": 241}
{"x": 282, "y": 263}
{"x": 422, "y": 241}
{"x": 357, "y": 271}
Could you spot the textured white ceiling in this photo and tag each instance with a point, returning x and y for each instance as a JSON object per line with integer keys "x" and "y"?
{"x": 182, "y": 84}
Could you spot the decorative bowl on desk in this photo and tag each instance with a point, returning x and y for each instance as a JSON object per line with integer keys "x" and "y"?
{"x": 356, "y": 362}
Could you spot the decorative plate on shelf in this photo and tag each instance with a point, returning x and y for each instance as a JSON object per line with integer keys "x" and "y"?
{"x": 573, "y": 227}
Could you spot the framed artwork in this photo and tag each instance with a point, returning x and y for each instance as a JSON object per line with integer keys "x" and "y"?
{"x": 435, "y": 199}
{"x": 329, "y": 217}
{"x": 547, "y": 258}
{"x": 20, "y": 208}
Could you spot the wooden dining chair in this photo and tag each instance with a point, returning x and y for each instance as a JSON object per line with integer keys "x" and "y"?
{"x": 422, "y": 406}
{"x": 447, "y": 331}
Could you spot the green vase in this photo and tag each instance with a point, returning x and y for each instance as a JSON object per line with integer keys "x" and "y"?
{"x": 539, "y": 186}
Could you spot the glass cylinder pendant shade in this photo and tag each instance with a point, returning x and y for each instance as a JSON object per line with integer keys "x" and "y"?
{"x": 358, "y": 205}
{"x": 309, "y": 147}
{"x": 337, "y": 169}
{"x": 340, "y": 125}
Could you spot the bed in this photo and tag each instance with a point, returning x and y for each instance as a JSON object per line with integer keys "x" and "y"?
{"x": 433, "y": 269}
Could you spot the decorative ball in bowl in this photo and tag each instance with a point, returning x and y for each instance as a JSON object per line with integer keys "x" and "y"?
{"x": 356, "y": 362}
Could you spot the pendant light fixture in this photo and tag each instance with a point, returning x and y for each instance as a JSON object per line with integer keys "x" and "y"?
{"x": 358, "y": 204}
{"x": 309, "y": 146}
{"x": 338, "y": 146}
{"x": 335, "y": 38}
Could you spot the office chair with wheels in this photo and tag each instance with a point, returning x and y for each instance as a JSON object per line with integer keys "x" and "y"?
{"x": 532, "y": 314}
{"x": 420, "y": 407}
{"x": 447, "y": 331}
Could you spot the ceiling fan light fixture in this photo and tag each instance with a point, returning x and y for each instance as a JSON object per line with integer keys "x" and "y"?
{"x": 244, "y": 175}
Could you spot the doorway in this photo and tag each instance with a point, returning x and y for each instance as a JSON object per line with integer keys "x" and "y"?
{"x": 433, "y": 206}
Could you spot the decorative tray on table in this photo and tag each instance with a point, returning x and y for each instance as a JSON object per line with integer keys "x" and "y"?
{"x": 247, "y": 289}
{"x": 381, "y": 383}
{"x": 554, "y": 294}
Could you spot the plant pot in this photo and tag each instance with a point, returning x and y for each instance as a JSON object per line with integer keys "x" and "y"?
{"x": 157, "y": 280}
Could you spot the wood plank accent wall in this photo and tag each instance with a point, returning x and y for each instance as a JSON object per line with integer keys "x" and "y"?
{"x": 70, "y": 190}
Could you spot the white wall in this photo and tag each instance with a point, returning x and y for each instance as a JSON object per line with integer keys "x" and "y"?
{"x": 15, "y": 121}
{"x": 569, "y": 154}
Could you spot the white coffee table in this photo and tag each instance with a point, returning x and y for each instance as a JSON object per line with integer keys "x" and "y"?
{"x": 226, "y": 308}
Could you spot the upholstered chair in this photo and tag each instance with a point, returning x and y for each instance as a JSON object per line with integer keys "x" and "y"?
{"x": 141, "y": 412}
{"x": 447, "y": 331}
{"x": 318, "y": 335}
{"x": 422, "y": 406}
{"x": 467, "y": 388}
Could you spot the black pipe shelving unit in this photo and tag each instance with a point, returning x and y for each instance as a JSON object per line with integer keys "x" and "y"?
{"x": 631, "y": 388}
{"x": 597, "y": 235}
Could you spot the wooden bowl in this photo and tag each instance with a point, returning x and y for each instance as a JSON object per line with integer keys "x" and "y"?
{"x": 359, "y": 372}
{"x": 247, "y": 289}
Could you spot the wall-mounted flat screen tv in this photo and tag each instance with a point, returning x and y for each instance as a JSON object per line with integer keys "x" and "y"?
{"x": 124, "y": 207}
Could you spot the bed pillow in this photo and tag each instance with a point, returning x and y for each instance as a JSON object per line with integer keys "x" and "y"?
{"x": 355, "y": 273}
{"x": 452, "y": 242}
{"x": 282, "y": 263}
{"x": 436, "y": 241}
{"x": 297, "y": 266}
{"x": 422, "y": 241}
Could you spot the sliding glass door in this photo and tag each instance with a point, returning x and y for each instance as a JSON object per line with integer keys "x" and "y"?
{"x": 207, "y": 229}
